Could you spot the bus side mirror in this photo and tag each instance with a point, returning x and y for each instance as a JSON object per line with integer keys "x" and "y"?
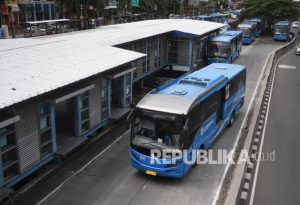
{"x": 130, "y": 116}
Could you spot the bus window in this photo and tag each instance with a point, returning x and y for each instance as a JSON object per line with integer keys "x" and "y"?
{"x": 246, "y": 32}
{"x": 218, "y": 49}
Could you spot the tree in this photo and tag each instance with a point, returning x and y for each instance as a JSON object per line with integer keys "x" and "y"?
{"x": 167, "y": 7}
{"x": 270, "y": 11}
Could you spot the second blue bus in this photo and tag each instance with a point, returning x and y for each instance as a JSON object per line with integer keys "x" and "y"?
{"x": 225, "y": 47}
{"x": 281, "y": 30}
{"x": 185, "y": 115}
{"x": 248, "y": 33}
{"x": 259, "y": 26}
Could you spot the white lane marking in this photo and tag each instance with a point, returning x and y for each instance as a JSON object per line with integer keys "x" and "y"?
{"x": 287, "y": 67}
{"x": 263, "y": 133}
{"x": 81, "y": 169}
{"x": 216, "y": 197}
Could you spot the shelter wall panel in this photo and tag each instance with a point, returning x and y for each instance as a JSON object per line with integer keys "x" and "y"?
{"x": 183, "y": 52}
{"x": 28, "y": 137}
{"x": 95, "y": 106}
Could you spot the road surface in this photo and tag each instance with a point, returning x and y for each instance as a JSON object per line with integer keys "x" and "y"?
{"x": 278, "y": 182}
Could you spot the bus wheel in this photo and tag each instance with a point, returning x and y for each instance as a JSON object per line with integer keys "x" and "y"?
{"x": 231, "y": 119}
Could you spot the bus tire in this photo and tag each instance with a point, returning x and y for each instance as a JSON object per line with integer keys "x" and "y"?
{"x": 231, "y": 121}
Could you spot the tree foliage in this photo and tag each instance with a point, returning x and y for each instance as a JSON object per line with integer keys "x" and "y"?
{"x": 270, "y": 11}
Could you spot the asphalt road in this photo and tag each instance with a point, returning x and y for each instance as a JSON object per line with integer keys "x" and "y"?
{"x": 278, "y": 182}
{"x": 110, "y": 179}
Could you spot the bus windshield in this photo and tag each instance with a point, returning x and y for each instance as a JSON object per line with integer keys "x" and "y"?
{"x": 281, "y": 29}
{"x": 218, "y": 49}
{"x": 246, "y": 32}
{"x": 156, "y": 130}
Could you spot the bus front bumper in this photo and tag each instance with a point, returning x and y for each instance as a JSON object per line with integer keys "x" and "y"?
{"x": 280, "y": 37}
{"x": 176, "y": 171}
{"x": 246, "y": 41}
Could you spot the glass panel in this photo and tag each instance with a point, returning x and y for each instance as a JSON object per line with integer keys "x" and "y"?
{"x": 85, "y": 126}
{"x": 46, "y": 136}
{"x": 128, "y": 100}
{"x": 7, "y": 137}
{"x": 44, "y": 109}
{"x": 47, "y": 149}
{"x": 128, "y": 90}
{"x": 128, "y": 79}
{"x": 104, "y": 93}
{"x": 11, "y": 171}
{"x": 85, "y": 103}
{"x": 44, "y": 122}
{"x": 85, "y": 115}
{"x": 3, "y": 141}
{"x": 104, "y": 103}
{"x": 9, "y": 157}
{"x": 104, "y": 114}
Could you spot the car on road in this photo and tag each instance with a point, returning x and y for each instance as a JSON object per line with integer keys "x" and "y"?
{"x": 298, "y": 49}
{"x": 295, "y": 24}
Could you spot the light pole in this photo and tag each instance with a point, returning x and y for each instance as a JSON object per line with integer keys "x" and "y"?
{"x": 12, "y": 20}
{"x": 181, "y": 9}
{"x": 81, "y": 16}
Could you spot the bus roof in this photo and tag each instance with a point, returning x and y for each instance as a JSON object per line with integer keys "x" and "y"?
{"x": 218, "y": 14}
{"x": 258, "y": 20}
{"x": 226, "y": 36}
{"x": 249, "y": 22}
{"x": 282, "y": 23}
{"x": 178, "y": 96}
{"x": 245, "y": 25}
{"x": 202, "y": 17}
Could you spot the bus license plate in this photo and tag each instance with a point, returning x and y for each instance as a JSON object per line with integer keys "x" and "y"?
{"x": 151, "y": 173}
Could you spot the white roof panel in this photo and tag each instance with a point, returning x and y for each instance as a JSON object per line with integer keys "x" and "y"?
{"x": 34, "y": 66}
{"x": 43, "y": 68}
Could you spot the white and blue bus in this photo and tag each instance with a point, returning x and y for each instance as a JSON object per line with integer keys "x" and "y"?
{"x": 225, "y": 47}
{"x": 248, "y": 33}
{"x": 259, "y": 26}
{"x": 282, "y": 30}
{"x": 185, "y": 115}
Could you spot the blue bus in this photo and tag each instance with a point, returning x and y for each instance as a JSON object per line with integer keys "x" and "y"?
{"x": 203, "y": 18}
{"x": 281, "y": 30}
{"x": 259, "y": 27}
{"x": 185, "y": 115}
{"x": 225, "y": 47}
{"x": 214, "y": 17}
{"x": 219, "y": 17}
{"x": 248, "y": 33}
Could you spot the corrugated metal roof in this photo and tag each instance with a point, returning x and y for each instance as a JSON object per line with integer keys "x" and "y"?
{"x": 31, "y": 67}
{"x": 31, "y": 71}
{"x": 122, "y": 33}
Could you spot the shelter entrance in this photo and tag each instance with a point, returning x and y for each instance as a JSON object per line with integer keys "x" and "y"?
{"x": 121, "y": 94}
{"x": 71, "y": 120}
{"x": 65, "y": 122}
